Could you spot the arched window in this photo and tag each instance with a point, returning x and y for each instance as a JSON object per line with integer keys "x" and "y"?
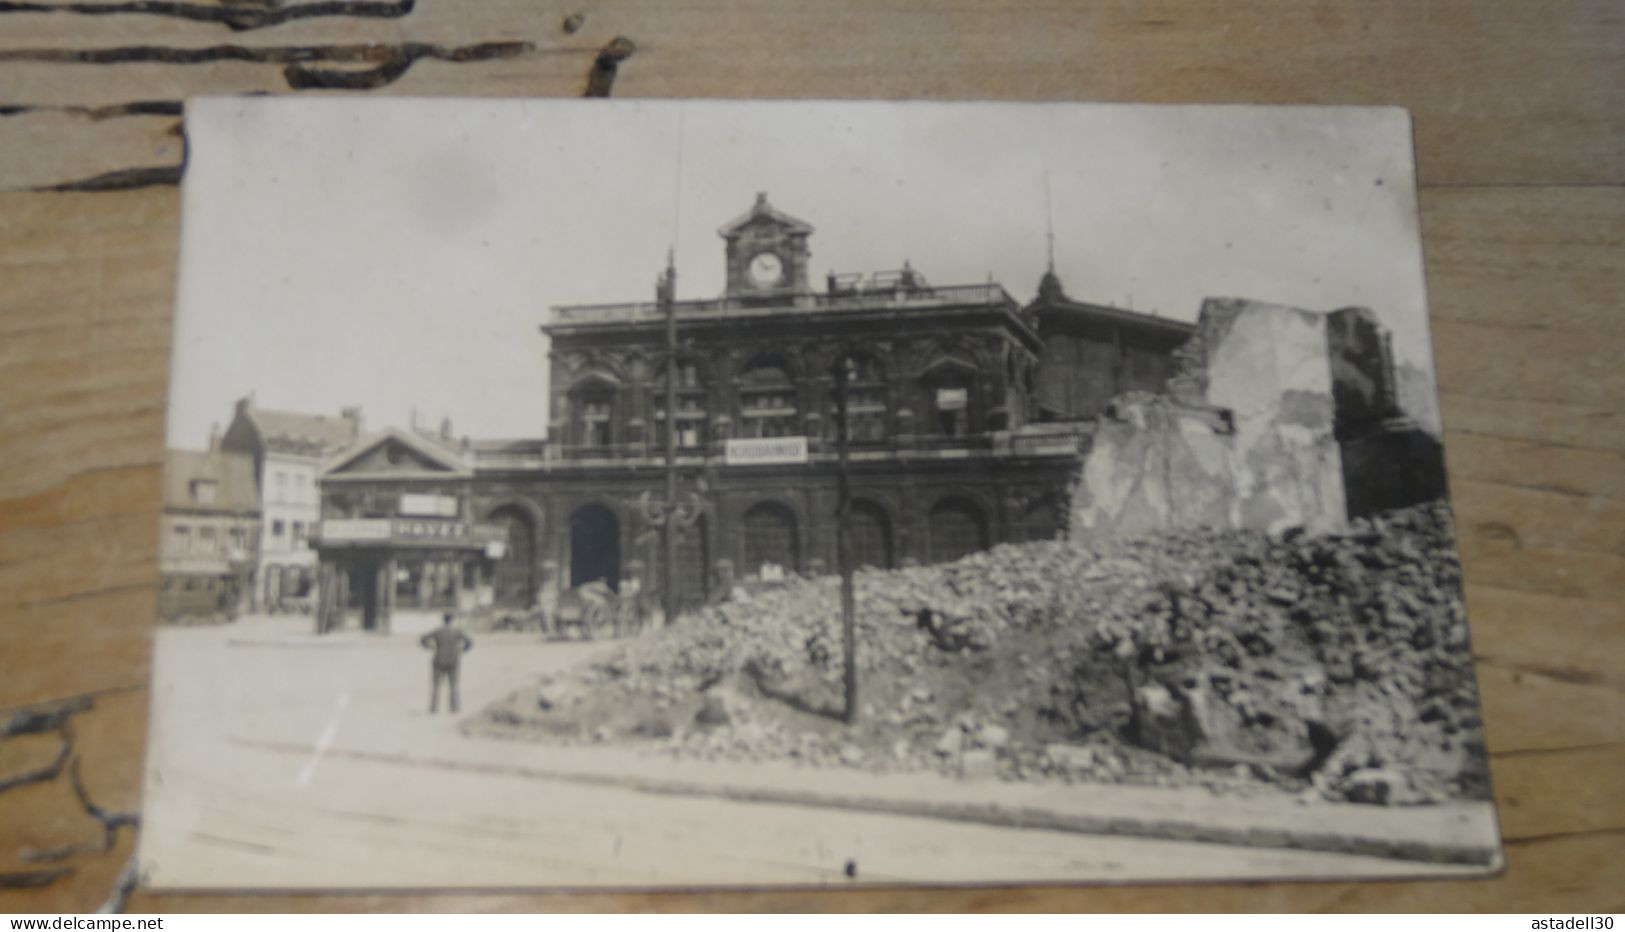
{"x": 958, "y": 528}
{"x": 770, "y": 537}
{"x": 692, "y": 394}
{"x": 869, "y": 535}
{"x": 767, "y": 399}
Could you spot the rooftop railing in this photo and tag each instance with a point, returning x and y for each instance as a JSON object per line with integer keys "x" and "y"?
{"x": 855, "y": 299}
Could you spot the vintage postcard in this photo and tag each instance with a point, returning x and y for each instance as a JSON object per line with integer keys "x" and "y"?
{"x": 638, "y": 494}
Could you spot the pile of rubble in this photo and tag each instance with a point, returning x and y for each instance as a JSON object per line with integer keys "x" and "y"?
{"x": 1236, "y": 660}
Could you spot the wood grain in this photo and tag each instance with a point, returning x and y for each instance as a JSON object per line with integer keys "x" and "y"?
{"x": 1520, "y": 124}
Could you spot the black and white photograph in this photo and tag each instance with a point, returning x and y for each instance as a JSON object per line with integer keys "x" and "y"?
{"x": 652, "y": 494}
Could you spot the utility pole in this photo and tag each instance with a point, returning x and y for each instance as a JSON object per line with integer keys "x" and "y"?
{"x": 668, "y": 573}
{"x": 843, "y": 546}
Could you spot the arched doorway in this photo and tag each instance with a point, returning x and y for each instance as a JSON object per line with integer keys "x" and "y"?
{"x": 595, "y": 546}
{"x": 958, "y": 528}
{"x": 869, "y": 535}
{"x": 513, "y": 582}
{"x": 770, "y": 537}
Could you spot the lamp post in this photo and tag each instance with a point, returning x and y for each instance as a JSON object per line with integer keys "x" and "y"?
{"x": 670, "y": 514}
{"x": 668, "y": 590}
{"x": 843, "y": 370}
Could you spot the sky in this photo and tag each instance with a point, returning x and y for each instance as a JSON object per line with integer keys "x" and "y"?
{"x": 401, "y": 254}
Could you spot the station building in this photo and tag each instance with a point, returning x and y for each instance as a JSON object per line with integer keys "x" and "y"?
{"x": 967, "y": 413}
{"x": 966, "y": 416}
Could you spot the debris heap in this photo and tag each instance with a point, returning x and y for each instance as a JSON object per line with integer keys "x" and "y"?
{"x": 1235, "y": 659}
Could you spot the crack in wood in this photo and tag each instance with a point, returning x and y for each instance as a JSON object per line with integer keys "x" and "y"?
{"x": 122, "y": 888}
{"x": 58, "y": 716}
{"x": 85, "y": 594}
{"x": 45, "y": 716}
{"x": 132, "y": 108}
{"x": 79, "y": 702}
{"x": 388, "y": 62}
{"x": 1561, "y": 749}
{"x": 601, "y": 79}
{"x": 238, "y": 17}
{"x": 1560, "y": 836}
{"x": 22, "y": 880}
{"x": 124, "y": 179}
{"x": 49, "y": 771}
{"x": 110, "y": 820}
{"x": 1569, "y": 675}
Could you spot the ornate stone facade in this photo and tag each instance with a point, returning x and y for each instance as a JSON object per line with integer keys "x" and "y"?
{"x": 940, "y": 390}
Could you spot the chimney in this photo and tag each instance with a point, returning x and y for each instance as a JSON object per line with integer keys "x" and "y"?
{"x": 214, "y": 437}
{"x": 445, "y": 427}
{"x": 353, "y": 415}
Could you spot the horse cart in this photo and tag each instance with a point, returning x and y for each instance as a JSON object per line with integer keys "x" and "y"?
{"x": 587, "y": 612}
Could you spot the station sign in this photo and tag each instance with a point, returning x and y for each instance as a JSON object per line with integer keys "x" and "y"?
{"x": 765, "y": 451}
{"x": 952, "y": 399}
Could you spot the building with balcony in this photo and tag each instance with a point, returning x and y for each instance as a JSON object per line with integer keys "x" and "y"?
{"x": 951, "y": 448}
{"x": 966, "y": 413}
{"x": 210, "y": 530}
{"x": 287, "y": 450}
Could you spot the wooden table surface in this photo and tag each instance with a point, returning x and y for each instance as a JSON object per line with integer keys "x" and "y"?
{"x": 1519, "y": 111}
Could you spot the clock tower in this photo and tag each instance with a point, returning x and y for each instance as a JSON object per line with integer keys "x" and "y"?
{"x": 767, "y": 253}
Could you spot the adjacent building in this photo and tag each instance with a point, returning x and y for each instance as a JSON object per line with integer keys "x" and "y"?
{"x": 210, "y": 535}
{"x": 399, "y": 531}
{"x": 288, "y": 451}
{"x": 1094, "y": 352}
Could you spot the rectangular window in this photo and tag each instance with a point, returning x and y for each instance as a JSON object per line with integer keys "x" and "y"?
{"x": 276, "y": 530}
{"x": 768, "y": 414}
{"x": 595, "y": 426}
{"x": 691, "y": 416}
{"x": 298, "y": 534}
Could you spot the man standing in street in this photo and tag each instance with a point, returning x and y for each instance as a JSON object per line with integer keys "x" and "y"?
{"x": 449, "y": 644}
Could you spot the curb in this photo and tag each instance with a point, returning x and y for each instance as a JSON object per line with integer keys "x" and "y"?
{"x": 1004, "y": 816}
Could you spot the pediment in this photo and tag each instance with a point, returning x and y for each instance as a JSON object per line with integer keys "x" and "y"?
{"x": 396, "y": 454}
{"x": 762, "y": 218}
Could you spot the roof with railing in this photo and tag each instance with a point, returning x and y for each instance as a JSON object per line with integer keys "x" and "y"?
{"x": 846, "y": 295}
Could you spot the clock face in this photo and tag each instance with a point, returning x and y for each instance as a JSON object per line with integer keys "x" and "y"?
{"x": 766, "y": 269}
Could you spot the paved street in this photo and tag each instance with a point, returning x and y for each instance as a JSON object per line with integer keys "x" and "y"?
{"x": 281, "y": 759}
